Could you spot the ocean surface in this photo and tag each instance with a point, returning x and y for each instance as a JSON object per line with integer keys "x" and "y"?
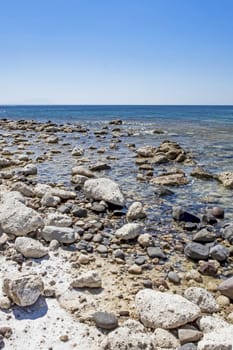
{"x": 204, "y": 131}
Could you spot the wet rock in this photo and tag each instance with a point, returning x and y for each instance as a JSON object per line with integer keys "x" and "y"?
{"x": 99, "y": 167}
{"x": 77, "y": 152}
{"x": 81, "y": 170}
{"x": 202, "y": 174}
{"x": 179, "y": 214}
{"x": 16, "y": 218}
{"x": 226, "y": 288}
{"x": 155, "y": 252}
{"x": 24, "y": 290}
{"x": 162, "y": 191}
{"x": 136, "y": 211}
{"x": 226, "y": 178}
{"x": 219, "y": 252}
{"x": 217, "y": 212}
{"x": 196, "y": 251}
{"x": 105, "y": 320}
{"x": 164, "y": 310}
{"x": 202, "y": 298}
{"x": 30, "y": 248}
{"x": 29, "y": 169}
{"x": 61, "y": 234}
{"x": 79, "y": 180}
{"x": 146, "y": 151}
{"x": 90, "y": 279}
{"x": 104, "y": 189}
{"x": 177, "y": 179}
{"x": 129, "y": 231}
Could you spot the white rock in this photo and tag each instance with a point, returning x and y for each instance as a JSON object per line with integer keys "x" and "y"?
{"x": 29, "y": 169}
{"x": 128, "y": 338}
{"x": 211, "y": 323}
{"x": 30, "y": 248}
{"x": 129, "y": 231}
{"x": 16, "y": 218}
{"x": 77, "y": 152}
{"x": 58, "y": 219}
{"x": 24, "y": 290}
{"x": 164, "y": 339}
{"x": 90, "y": 279}
{"x": 61, "y": 234}
{"x": 41, "y": 189}
{"x": 104, "y": 189}
{"x": 202, "y": 298}
{"x": 164, "y": 310}
{"x": 136, "y": 211}
{"x": 145, "y": 240}
{"x": 63, "y": 194}
{"x": 220, "y": 339}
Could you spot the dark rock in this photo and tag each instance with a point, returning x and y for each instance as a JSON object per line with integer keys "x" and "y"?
{"x": 105, "y": 320}
{"x": 119, "y": 254}
{"x": 98, "y": 208}
{"x": 162, "y": 191}
{"x": 196, "y": 251}
{"x": 179, "y": 214}
{"x": 79, "y": 212}
{"x": 219, "y": 252}
{"x": 190, "y": 226}
{"x": 155, "y": 252}
{"x": 200, "y": 173}
{"x": 208, "y": 268}
{"x": 99, "y": 167}
{"x": 148, "y": 284}
{"x": 209, "y": 219}
{"x": 218, "y": 212}
{"x": 228, "y": 233}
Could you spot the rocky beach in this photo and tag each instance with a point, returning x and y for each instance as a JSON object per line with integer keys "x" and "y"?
{"x": 115, "y": 235}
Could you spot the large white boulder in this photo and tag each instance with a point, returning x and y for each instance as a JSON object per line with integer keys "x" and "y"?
{"x": 164, "y": 310}
{"x": 104, "y": 189}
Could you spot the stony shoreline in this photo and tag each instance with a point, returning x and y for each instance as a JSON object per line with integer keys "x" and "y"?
{"x": 88, "y": 264}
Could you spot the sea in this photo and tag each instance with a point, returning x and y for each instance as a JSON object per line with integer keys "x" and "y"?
{"x": 206, "y": 132}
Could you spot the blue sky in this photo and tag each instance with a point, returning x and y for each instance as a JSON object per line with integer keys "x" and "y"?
{"x": 116, "y": 52}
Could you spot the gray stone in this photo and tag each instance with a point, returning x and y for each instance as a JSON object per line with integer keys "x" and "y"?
{"x": 61, "y": 234}
{"x": 173, "y": 277}
{"x": 204, "y": 236}
{"x": 58, "y": 219}
{"x": 24, "y": 290}
{"x": 105, "y": 320}
{"x": 30, "y": 248}
{"x": 164, "y": 310}
{"x": 129, "y": 231}
{"x": 202, "y": 298}
{"x": 196, "y": 251}
{"x": 104, "y": 189}
{"x": 188, "y": 335}
{"x": 219, "y": 252}
{"x": 226, "y": 288}
{"x": 155, "y": 252}
{"x": 188, "y": 346}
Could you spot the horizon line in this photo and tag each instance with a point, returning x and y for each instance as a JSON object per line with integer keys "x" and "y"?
{"x": 114, "y": 105}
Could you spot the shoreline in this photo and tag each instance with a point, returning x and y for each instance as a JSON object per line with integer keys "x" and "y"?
{"x": 151, "y": 252}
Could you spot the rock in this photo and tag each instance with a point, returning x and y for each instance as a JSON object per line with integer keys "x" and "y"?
{"x": 162, "y": 191}
{"x": 77, "y": 152}
{"x": 164, "y": 310}
{"x": 202, "y": 298}
{"x": 145, "y": 240}
{"x": 228, "y": 233}
{"x": 208, "y": 268}
{"x": 208, "y": 324}
{"x": 196, "y": 251}
{"x": 102, "y": 249}
{"x": 146, "y": 151}
{"x": 90, "y": 279}
{"x": 29, "y": 169}
{"x": 83, "y": 259}
{"x": 155, "y": 252}
{"x": 30, "y": 248}
{"x": 226, "y": 178}
{"x": 220, "y": 339}
{"x": 128, "y": 337}
{"x": 54, "y": 245}
{"x": 61, "y": 234}
{"x": 136, "y": 211}
{"x": 104, "y": 189}
{"x": 219, "y": 252}
{"x": 24, "y": 189}
{"x": 165, "y": 340}
{"x": 81, "y": 170}
{"x": 99, "y": 167}
{"x": 173, "y": 277}
{"x": 5, "y": 303}
{"x": 58, "y": 219}
{"x": 135, "y": 269}
{"x": 217, "y": 212}
{"x": 63, "y": 194}
{"x": 188, "y": 335}
{"x": 79, "y": 180}
{"x": 41, "y": 189}
{"x": 6, "y": 331}
{"x": 202, "y": 174}
{"x": 24, "y": 290}
{"x": 226, "y": 288}
{"x": 178, "y": 179}
{"x": 188, "y": 346}
{"x": 105, "y": 320}
{"x": 179, "y": 214}
{"x": 223, "y": 301}
{"x": 17, "y": 219}
{"x": 129, "y": 231}
{"x": 204, "y": 236}
{"x": 49, "y": 200}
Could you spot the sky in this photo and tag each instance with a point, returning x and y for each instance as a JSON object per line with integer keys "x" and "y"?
{"x": 116, "y": 52}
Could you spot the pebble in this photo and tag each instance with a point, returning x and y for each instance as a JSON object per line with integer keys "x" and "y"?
{"x": 105, "y": 320}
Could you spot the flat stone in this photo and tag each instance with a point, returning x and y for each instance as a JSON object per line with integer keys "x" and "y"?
{"x": 188, "y": 335}
{"x": 105, "y": 320}
{"x": 61, "y": 234}
{"x": 90, "y": 279}
{"x": 155, "y": 252}
{"x": 196, "y": 251}
{"x": 164, "y": 310}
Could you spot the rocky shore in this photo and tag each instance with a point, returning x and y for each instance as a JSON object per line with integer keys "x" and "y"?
{"x": 98, "y": 249}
